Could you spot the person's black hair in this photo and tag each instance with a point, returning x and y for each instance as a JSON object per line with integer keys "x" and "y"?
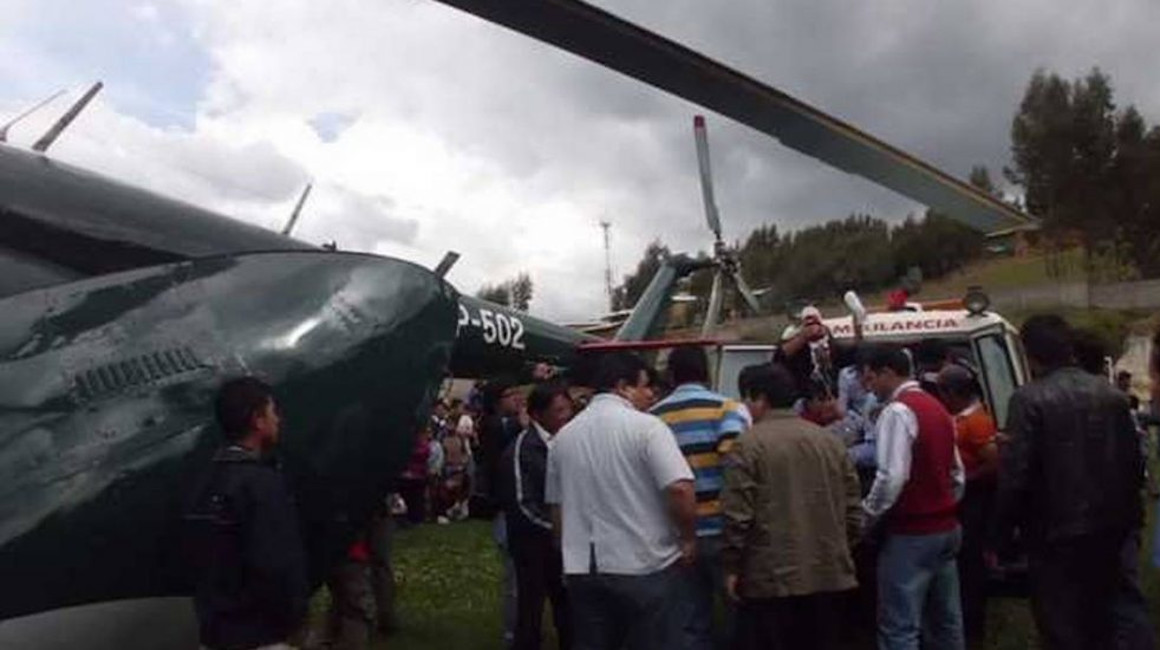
{"x": 493, "y": 392}
{"x": 893, "y": 357}
{"x": 931, "y": 353}
{"x": 818, "y": 389}
{"x": 659, "y": 383}
{"x": 238, "y": 402}
{"x": 1048, "y": 340}
{"x": 958, "y": 381}
{"x": 544, "y": 394}
{"x": 1123, "y": 374}
{"x": 689, "y": 365}
{"x": 746, "y": 376}
{"x": 615, "y": 367}
{"x": 1089, "y": 352}
{"x": 771, "y": 381}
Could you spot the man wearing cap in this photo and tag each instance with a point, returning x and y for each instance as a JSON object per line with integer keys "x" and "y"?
{"x": 812, "y": 354}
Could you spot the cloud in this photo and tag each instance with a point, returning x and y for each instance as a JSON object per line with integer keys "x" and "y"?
{"x": 426, "y": 129}
{"x": 354, "y": 220}
{"x": 329, "y": 126}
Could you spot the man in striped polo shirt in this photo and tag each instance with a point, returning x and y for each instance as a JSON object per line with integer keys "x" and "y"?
{"x": 705, "y": 425}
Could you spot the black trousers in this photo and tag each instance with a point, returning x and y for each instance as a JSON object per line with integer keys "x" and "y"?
{"x": 1133, "y": 621}
{"x": 352, "y": 608}
{"x": 975, "y": 517}
{"x": 807, "y": 622}
{"x": 414, "y": 493}
{"x": 1074, "y": 589}
{"x": 637, "y": 612}
{"x": 539, "y": 578}
{"x": 382, "y": 574}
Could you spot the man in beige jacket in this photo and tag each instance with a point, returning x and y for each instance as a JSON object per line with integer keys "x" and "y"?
{"x": 792, "y": 513}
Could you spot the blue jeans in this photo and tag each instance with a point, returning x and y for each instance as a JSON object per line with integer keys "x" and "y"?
{"x": 645, "y": 612}
{"x": 707, "y": 585}
{"x": 508, "y": 587}
{"x": 918, "y": 592}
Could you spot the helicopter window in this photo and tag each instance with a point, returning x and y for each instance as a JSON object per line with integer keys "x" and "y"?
{"x": 731, "y": 363}
{"x": 998, "y": 375}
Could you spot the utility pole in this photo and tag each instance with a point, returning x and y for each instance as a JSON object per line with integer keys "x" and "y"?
{"x": 605, "y": 226}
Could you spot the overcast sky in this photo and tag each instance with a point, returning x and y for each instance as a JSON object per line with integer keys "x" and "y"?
{"x": 425, "y": 129}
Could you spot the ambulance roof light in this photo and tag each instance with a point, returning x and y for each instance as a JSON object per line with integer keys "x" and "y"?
{"x": 976, "y": 301}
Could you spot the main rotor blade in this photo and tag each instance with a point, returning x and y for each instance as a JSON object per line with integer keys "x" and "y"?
{"x": 746, "y": 294}
{"x": 293, "y": 220}
{"x": 29, "y": 111}
{"x": 445, "y": 264}
{"x": 713, "y": 311}
{"x": 617, "y": 44}
{"x": 702, "y": 139}
{"x": 65, "y": 120}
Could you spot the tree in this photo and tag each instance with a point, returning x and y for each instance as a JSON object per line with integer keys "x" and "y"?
{"x": 936, "y": 246}
{"x": 626, "y": 295}
{"x": 521, "y": 291}
{"x": 497, "y": 293}
{"x": 981, "y": 178}
{"x": 515, "y": 293}
{"x": 1040, "y": 145}
{"x": 1086, "y": 170}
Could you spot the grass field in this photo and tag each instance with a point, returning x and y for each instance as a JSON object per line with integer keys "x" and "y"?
{"x": 448, "y": 579}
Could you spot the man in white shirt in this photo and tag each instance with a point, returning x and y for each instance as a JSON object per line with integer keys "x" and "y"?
{"x": 915, "y": 494}
{"x": 624, "y": 509}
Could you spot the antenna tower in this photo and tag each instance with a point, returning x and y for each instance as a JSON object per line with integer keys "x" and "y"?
{"x": 605, "y": 226}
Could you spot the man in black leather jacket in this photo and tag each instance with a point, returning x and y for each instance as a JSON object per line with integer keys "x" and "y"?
{"x": 1071, "y": 483}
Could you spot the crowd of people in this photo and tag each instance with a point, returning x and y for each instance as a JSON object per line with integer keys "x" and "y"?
{"x": 851, "y": 496}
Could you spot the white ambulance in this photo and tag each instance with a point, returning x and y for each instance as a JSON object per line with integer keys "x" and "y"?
{"x": 966, "y": 326}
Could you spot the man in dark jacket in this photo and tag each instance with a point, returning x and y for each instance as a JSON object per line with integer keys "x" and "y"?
{"x": 1070, "y": 481}
{"x": 505, "y": 416}
{"x": 522, "y": 471}
{"x": 249, "y": 563}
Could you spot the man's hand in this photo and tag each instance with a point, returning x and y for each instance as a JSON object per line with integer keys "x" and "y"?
{"x": 688, "y": 552}
{"x": 731, "y": 582}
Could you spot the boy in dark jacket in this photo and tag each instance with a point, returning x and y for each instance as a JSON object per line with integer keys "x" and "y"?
{"x": 521, "y": 474}
{"x": 250, "y": 567}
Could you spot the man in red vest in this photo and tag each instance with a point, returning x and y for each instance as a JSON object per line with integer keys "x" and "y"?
{"x": 914, "y": 497}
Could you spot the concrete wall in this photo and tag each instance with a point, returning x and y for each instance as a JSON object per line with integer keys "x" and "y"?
{"x": 1122, "y": 295}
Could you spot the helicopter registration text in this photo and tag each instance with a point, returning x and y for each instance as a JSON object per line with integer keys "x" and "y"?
{"x": 496, "y": 327}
